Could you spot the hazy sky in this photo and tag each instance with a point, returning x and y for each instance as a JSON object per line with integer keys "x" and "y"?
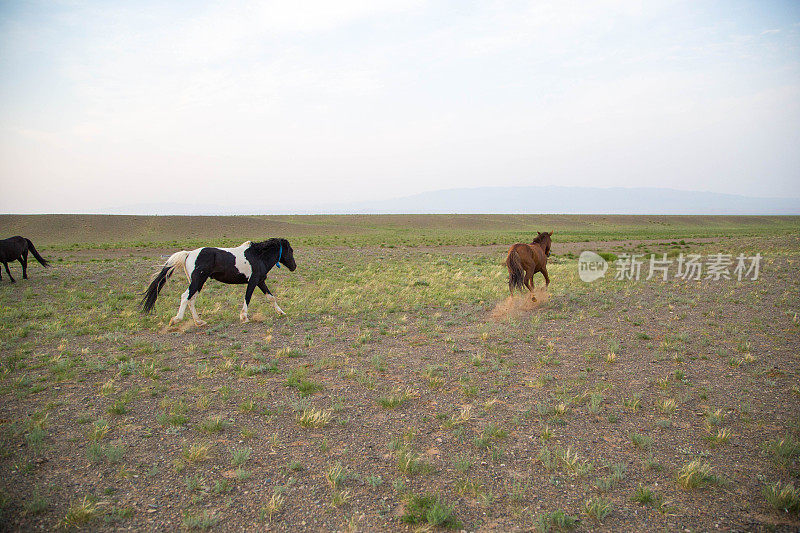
{"x": 105, "y": 104}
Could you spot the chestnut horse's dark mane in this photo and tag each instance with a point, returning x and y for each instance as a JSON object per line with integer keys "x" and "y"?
{"x": 539, "y": 238}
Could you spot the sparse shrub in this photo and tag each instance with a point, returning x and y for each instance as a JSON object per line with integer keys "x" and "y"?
{"x": 340, "y": 497}
{"x": 547, "y": 458}
{"x": 429, "y": 509}
{"x": 313, "y": 417}
{"x": 557, "y": 519}
{"x": 410, "y": 462}
{"x": 335, "y": 475}
{"x": 79, "y": 513}
{"x": 99, "y": 429}
{"x": 783, "y": 497}
{"x": 239, "y": 456}
{"x": 598, "y": 508}
{"x": 273, "y": 506}
{"x": 696, "y": 474}
{"x": 196, "y": 453}
{"x": 714, "y": 418}
{"x": 634, "y": 402}
{"x": 595, "y": 403}
{"x": 296, "y": 380}
{"x": 783, "y": 450}
{"x": 396, "y": 398}
{"x": 667, "y": 406}
{"x": 215, "y": 424}
{"x": 203, "y": 520}
{"x": 640, "y": 441}
{"x": 722, "y": 436}
{"x": 644, "y": 495}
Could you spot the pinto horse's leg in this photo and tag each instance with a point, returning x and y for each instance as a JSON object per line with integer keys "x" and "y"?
{"x": 251, "y": 286}
{"x": 187, "y": 299}
{"x": 181, "y": 309}
{"x": 9, "y": 273}
{"x": 195, "y": 315}
{"x": 198, "y": 280}
{"x": 263, "y": 286}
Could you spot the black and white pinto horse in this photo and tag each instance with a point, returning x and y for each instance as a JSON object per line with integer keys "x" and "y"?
{"x": 16, "y": 249}
{"x": 247, "y": 263}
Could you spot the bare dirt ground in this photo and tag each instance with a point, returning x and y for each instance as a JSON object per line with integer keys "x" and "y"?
{"x": 337, "y": 416}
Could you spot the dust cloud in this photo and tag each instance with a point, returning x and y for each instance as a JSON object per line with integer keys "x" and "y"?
{"x": 519, "y": 304}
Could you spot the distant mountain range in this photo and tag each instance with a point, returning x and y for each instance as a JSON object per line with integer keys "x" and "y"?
{"x": 513, "y": 200}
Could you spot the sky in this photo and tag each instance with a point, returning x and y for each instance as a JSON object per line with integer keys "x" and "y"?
{"x": 294, "y": 104}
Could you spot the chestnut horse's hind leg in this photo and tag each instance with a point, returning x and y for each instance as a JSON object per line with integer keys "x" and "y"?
{"x": 529, "y": 283}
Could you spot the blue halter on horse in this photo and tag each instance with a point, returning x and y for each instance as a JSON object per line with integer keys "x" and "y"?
{"x": 280, "y": 254}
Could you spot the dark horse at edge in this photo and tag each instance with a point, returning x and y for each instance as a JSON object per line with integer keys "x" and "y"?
{"x": 525, "y": 260}
{"x": 16, "y": 249}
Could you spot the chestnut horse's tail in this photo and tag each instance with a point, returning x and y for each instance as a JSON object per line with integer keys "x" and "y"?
{"x": 516, "y": 275}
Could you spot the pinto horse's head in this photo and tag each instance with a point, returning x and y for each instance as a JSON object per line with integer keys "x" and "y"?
{"x": 543, "y": 240}
{"x": 287, "y": 255}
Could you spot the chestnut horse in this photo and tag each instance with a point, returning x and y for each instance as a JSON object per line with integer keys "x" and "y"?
{"x": 530, "y": 258}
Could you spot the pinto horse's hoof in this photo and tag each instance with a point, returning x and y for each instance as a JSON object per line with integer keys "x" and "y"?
{"x": 174, "y": 320}
{"x": 200, "y": 323}
{"x": 244, "y": 319}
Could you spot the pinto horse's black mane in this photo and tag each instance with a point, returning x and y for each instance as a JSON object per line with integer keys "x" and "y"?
{"x": 268, "y": 245}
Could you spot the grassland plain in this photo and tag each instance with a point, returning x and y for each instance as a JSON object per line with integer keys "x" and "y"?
{"x": 391, "y": 399}
{"x": 119, "y": 231}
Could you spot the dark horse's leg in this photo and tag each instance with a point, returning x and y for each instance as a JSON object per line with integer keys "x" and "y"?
{"x": 23, "y": 260}
{"x": 9, "y": 272}
{"x": 263, "y": 286}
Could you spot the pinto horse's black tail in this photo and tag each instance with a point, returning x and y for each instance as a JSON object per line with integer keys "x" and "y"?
{"x": 516, "y": 275}
{"x": 38, "y": 257}
{"x": 160, "y": 279}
